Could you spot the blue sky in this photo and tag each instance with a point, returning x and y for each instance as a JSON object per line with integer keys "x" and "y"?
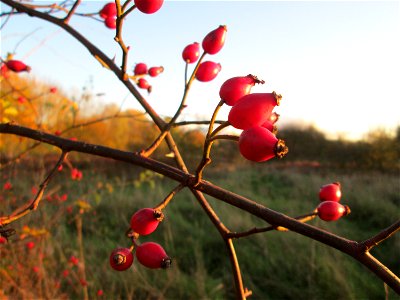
{"x": 336, "y": 63}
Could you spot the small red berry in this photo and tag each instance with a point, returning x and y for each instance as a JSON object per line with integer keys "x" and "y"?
{"x": 3, "y": 240}
{"x": 144, "y": 84}
{"x": 83, "y": 282}
{"x": 30, "y": 245}
{"x": 148, "y": 6}
{"x": 21, "y": 99}
{"x": 57, "y": 132}
{"x": 121, "y": 259}
{"x": 207, "y": 71}
{"x": 214, "y": 40}
{"x": 76, "y": 174}
{"x": 7, "y": 186}
{"x": 330, "y": 192}
{"x": 259, "y": 144}
{"x": 153, "y": 256}
{"x": 74, "y": 260}
{"x": 146, "y": 220}
{"x": 110, "y": 22}
{"x": 155, "y": 71}
{"x": 140, "y": 69}
{"x": 253, "y": 110}
{"x": 332, "y": 210}
{"x": 191, "y": 53}
{"x": 235, "y": 88}
{"x": 53, "y": 90}
{"x": 100, "y": 293}
{"x": 108, "y": 10}
{"x": 17, "y": 66}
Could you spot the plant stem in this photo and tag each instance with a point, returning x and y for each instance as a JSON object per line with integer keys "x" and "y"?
{"x": 169, "y": 197}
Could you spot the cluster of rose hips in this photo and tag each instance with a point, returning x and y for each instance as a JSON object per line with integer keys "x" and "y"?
{"x": 109, "y": 11}
{"x": 253, "y": 113}
{"x": 212, "y": 44}
{"x": 330, "y": 209}
{"x": 149, "y": 254}
{"x": 141, "y": 70}
{"x": 109, "y": 14}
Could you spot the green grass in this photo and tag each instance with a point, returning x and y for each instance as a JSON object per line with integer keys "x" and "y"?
{"x": 275, "y": 265}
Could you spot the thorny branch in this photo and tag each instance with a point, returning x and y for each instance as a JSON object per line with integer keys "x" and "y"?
{"x": 359, "y": 251}
{"x": 33, "y": 205}
{"x": 355, "y": 249}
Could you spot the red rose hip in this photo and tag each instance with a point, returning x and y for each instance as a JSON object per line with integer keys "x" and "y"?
{"x": 214, "y": 40}
{"x": 155, "y": 71}
{"x": 153, "y": 256}
{"x": 121, "y": 259}
{"x": 259, "y": 144}
{"x": 207, "y": 71}
{"x": 330, "y": 192}
{"x": 235, "y": 88}
{"x": 191, "y": 53}
{"x": 332, "y": 210}
{"x": 146, "y": 220}
{"x": 110, "y": 22}
{"x": 253, "y": 110}
{"x": 17, "y": 66}
{"x": 108, "y": 10}
{"x": 140, "y": 69}
{"x": 148, "y": 6}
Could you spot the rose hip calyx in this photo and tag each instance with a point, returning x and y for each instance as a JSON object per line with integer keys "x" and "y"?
{"x": 121, "y": 259}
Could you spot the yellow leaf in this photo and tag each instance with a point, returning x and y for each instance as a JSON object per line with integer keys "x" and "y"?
{"x": 83, "y": 204}
{"x": 12, "y": 111}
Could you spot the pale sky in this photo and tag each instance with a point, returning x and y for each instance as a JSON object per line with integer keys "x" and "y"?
{"x": 336, "y": 63}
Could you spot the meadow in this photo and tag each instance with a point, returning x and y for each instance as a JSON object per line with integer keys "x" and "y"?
{"x": 79, "y": 223}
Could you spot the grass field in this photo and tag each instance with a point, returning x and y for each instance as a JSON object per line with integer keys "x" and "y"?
{"x": 93, "y": 219}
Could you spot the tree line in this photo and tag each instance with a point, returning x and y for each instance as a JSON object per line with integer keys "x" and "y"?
{"x": 73, "y": 116}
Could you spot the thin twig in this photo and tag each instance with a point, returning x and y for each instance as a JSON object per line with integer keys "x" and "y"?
{"x": 230, "y": 137}
{"x": 32, "y": 205}
{"x": 126, "y": 12}
{"x": 72, "y": 11}
{"x": 380, "y": 237}
{"x": 7, "y": 19}
{"x": 240, "y": 291}
{"x": 147, "y": 152}
{"x": 119, "y": 39}
{"x": 185, "y": 123}
{"x": 206, "y": 159}
{"x": 302, "y": 218}
{"x": 163, "y": 204}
